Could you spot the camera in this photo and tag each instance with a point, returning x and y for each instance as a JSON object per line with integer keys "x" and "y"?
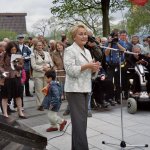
{"x": 114, "y": 37}
{"x": 92, "y": 39}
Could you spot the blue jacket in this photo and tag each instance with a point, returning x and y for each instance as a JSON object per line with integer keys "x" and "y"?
{"x": 53, "y": 99}
{"x": 26, "y": 52}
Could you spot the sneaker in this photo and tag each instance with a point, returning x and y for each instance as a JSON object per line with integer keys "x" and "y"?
{"x": 89, "y": 114}
{"x": 51, "y": 129}
{"x": 62, "y": 125}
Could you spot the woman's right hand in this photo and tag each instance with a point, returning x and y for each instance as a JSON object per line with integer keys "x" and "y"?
{"x": 95, "y": 66}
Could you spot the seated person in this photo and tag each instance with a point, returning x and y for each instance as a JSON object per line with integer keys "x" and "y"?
{"x": 131, "y": 62}
{"x": 103, "y": 90}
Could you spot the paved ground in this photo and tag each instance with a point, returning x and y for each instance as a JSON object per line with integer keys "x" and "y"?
{"x": 104, "y": 125}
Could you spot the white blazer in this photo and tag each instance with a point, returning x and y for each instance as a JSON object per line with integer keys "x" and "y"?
{"x": 77, "y": 80}
{"x": 37, "y": 63}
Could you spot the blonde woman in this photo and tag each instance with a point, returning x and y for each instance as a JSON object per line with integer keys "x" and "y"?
{"x": 79, "y": 67}
{"x": 40, "y": 62}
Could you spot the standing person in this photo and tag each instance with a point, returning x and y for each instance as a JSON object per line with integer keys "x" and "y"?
{"x": 52, "y": 102}
{"x": 11, "y": 87}
{"x": 113, "y": 60}
{"x": 23, "y": 79}
{"x": 2, "y": 49}
{"x": 123, "y": 37}
{"x": 64, "y": 40}
{"x": 79, "y": 67}
{"x": 26, "y": 52}
{"x": 52, "y": 48}
{"x": 40, "y": 62}
{"x": 57, "y": 58}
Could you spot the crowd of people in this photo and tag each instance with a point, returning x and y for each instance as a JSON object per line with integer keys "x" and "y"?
{"x": 84, "y": 73}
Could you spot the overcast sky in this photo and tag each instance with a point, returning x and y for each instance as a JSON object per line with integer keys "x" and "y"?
{"x": 35, "y": 9}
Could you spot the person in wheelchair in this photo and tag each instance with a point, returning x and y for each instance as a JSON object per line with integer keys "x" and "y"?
{"x": 103, "y": 90}
{"x": 132, "y": 65}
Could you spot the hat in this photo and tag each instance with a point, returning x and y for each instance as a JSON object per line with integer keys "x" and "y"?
{"x": 20, "y": 36}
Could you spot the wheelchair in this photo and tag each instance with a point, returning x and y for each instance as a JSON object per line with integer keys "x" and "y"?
{"x": 134, "y": 100}
{"x": 102, "y": 93}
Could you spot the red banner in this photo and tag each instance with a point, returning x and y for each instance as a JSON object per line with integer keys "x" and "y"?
{"x": 139, "y": 2}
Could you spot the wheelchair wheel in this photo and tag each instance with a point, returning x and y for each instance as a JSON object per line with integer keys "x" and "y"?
{"x": 131, "y": 105}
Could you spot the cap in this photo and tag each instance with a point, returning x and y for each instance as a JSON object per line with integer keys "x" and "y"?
{"x": 20, "y": 36}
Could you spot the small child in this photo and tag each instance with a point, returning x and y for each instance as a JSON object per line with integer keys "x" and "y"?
{"x": 52, "y": 102}
{"x": 23, "y": 79}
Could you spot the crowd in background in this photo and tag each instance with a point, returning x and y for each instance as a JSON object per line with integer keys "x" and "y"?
{"x": 40, "y": 55}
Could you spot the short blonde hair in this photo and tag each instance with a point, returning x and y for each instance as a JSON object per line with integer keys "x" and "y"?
{"x": 74, "y": 29}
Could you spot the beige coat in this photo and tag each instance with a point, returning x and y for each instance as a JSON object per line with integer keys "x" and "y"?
{"x": 59, "y": 65}
{"x": 37, "y": 63}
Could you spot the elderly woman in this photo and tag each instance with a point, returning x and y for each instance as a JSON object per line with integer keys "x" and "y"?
{"x": 40, "y": 62}
{"x": 79, "y": 67}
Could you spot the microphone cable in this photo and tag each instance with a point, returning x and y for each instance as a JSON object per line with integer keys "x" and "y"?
{"x": 60, "y": 134}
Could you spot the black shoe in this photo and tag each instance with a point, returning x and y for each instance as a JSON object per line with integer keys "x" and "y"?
{"x": 22, "y": 117}
{"x": 29, "y": 95}
{"x": 118, "y": 101}
{"x": 112, "y": 102}
{"x": 105, "y": 104}
{"x": 40, "y": 108}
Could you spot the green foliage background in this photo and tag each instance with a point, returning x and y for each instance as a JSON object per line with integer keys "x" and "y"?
{"x": 7, "y": 34}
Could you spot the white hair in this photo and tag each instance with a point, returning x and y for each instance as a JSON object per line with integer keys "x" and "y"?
{"x": 103, "y": 39}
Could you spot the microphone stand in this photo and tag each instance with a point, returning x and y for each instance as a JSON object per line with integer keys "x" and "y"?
{"x": 123, "y": 143}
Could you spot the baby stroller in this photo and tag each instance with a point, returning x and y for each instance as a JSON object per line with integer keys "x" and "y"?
{"x": 133, "y": 100}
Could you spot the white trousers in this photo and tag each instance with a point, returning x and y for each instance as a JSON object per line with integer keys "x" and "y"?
{"x": 54, "y": 119}
{"x": 39, "y": 84}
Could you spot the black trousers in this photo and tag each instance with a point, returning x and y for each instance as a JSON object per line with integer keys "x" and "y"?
{"x": 113, "y": 72}
{"x": 27, "y": 87}
{"x": 78, "y": 103}
{"x": 102, "y": 89}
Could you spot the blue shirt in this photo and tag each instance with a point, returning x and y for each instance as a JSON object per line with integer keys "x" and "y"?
{"x": 113, "y": 57}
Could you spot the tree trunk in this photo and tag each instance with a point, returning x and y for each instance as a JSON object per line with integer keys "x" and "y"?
{"x": 105, "y": 19}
